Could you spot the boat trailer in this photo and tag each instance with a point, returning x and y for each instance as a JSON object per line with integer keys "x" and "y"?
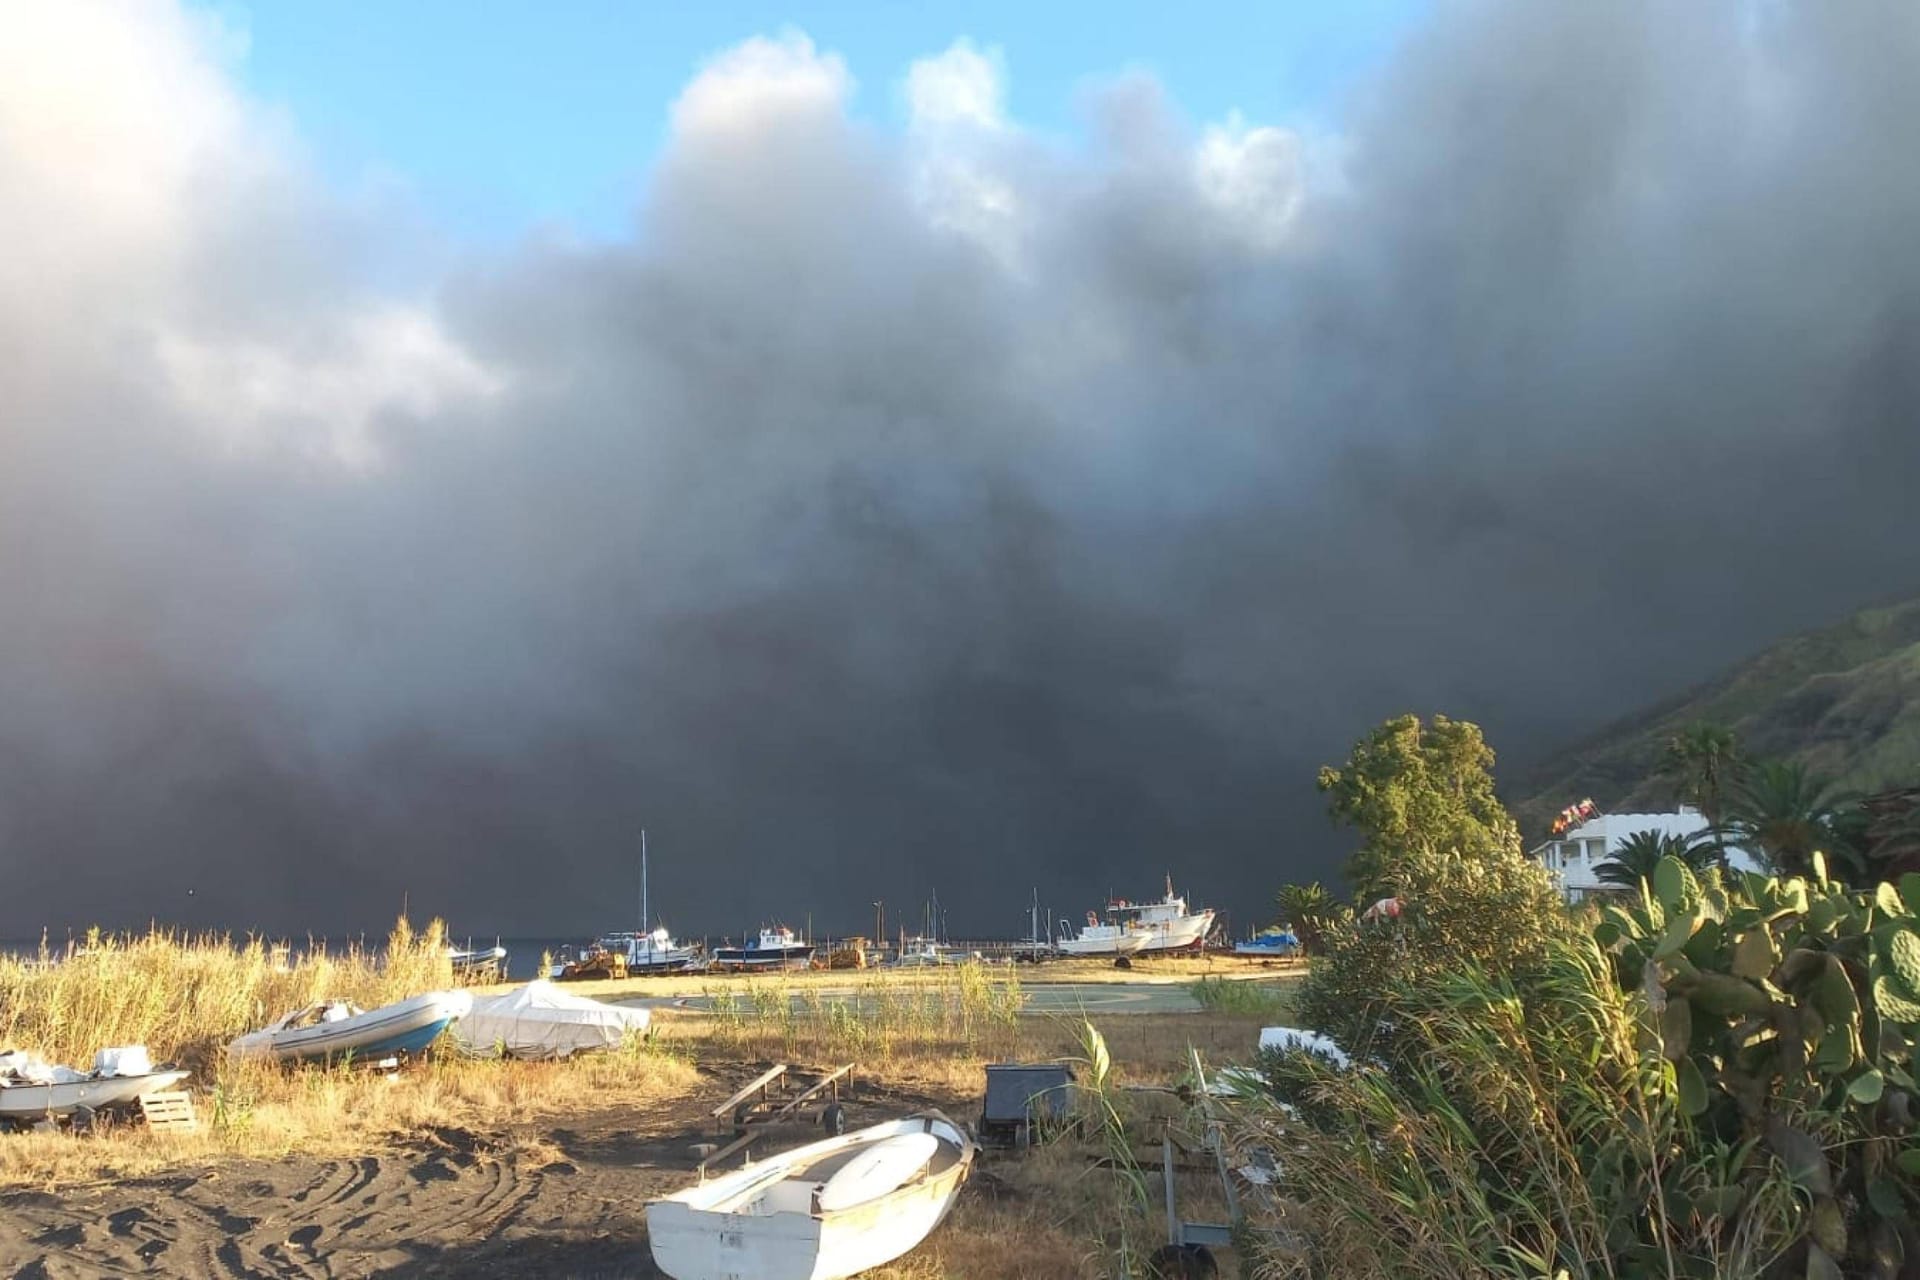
{"x": 763, "y": 1104}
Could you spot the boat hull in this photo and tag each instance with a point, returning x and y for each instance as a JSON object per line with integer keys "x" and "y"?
{"x": 63, "y": 1099}
{"x": 404, "y": 1028}
{"x": 689, "y": 1242}
{"x": 1125, "y": 944}
{"x": 1186, "y": 933}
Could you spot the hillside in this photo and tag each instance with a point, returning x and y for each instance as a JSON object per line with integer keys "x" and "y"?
{"x": 1845, "y": 700}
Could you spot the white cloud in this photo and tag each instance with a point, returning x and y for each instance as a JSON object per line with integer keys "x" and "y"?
{"x": 963, "y": 147}
{"x": 759, "y": 82}
{"x": 143, "y": 201}
{"x": 963, "y": 85}
{"x": 1253, "y": 177}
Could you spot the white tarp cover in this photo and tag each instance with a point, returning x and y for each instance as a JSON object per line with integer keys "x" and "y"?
{"x": 542, "y": 1021}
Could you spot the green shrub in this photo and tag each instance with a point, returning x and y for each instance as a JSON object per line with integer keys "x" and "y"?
{"x": 1495, "y": 910}
{"x": 1526, "y": 1129}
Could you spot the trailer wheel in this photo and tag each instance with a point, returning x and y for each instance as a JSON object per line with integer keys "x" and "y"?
{"x": 833, "y": 1118}
{"x": 1183, "y": 1262}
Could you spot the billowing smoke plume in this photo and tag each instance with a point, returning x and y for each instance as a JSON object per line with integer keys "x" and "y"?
{"x": 952, "y": 509}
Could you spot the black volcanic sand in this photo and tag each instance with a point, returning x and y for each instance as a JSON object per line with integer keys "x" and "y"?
{"x": 448, "y": 1202}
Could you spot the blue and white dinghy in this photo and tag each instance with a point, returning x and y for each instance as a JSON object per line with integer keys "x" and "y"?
{"x": 336, "y": 1029}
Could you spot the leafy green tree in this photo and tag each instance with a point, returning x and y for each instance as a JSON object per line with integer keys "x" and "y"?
{"x": 1311, "y": 910}
{"x": 1437, "y": 838}
{"x": 1641, "y": 852}
{"x": 1414, "y": 788}
{"x": 1783, "y": 813}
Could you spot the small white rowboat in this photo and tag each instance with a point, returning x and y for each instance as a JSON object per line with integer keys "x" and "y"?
{"x": 822, "y": 1212}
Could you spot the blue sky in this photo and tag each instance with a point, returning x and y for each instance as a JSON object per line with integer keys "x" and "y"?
{"x": 500, "y": 115}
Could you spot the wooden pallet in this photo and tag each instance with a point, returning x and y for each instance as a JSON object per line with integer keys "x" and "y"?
{"x": 169, "y": 1111}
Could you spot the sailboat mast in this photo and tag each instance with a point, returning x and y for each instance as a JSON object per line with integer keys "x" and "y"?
{"x": 643, "y": 880}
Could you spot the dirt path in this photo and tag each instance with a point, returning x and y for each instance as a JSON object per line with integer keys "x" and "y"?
{"x": 559, "y": 1198}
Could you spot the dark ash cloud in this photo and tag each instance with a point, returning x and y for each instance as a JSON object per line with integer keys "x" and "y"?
{"x": 954, "y": 511}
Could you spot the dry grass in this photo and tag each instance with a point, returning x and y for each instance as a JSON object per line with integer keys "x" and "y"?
{"x": 187, "y": 997}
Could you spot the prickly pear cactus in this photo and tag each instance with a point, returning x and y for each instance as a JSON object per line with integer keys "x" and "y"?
{"x": 1789, "y": 1009}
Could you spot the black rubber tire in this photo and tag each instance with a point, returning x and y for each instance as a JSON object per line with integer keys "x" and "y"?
{"x": 833, "y": 1118}
{"x": 1183, "y": 1262}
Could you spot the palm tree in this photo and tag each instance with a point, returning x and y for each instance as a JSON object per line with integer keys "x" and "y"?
{"x": 1785, "y": 814}
{"x": 1704, "y": 761}
{"x": 1641, "y": 852}
{"x": 1309, "y": 908}
{"x": 1894, "y": 841}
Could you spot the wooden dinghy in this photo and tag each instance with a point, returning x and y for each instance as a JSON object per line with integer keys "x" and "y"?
{"x": 821, "y": 1212}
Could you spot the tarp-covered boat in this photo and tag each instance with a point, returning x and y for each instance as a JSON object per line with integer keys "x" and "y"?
{"x": 541, "y": 1021}
{"x": 822, "y": 1212}
{"x": 336, "y": 1029}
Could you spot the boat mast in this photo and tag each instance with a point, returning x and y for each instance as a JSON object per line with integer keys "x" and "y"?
{"x": 643, "y": 881}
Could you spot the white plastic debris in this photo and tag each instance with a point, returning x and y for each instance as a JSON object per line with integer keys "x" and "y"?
{"x": 125, "y": 1060}
{"x": 1310, "y": 1041}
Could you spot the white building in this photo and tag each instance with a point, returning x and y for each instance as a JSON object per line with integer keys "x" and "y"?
{"x": 1572, "y": 856}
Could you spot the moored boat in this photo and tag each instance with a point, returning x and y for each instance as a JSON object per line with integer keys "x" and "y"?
{"x": 480, "y": 964}
{"x": 775, "y": 948}
{"x": 822, "y": 1212}
{"x": 335, "y": 1029}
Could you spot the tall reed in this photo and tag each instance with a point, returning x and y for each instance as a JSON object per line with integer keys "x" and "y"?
{"x": 185, "y": 996}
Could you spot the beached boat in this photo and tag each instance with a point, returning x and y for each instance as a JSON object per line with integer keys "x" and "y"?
{"x": 336, "y": 1029}
{"x": 1098, "y": 939}
{"x": 822, "y": 1212}
{"x": 1168, "y": 924}
{"x": 31, "y": 1089}
{"x": 1271, "y": 942}
{"x": 775, "y": 948}
{"x": 540, "y": 1021}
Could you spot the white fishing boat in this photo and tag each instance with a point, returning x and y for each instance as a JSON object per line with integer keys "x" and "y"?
{"x": 1098, "y": 939}
{"x": 775, "y": 948}
{"x": 647, "y": 951}
{"x": 337, "y": 1029}
{"x": 31, "y": 1089}
{"x": 822, "y": 1212}
{"x": 1168, "y": 924}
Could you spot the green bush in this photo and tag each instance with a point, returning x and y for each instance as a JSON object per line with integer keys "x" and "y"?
{"x": 1495, "y": 910}
{"x": 1716, "y": 1082}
